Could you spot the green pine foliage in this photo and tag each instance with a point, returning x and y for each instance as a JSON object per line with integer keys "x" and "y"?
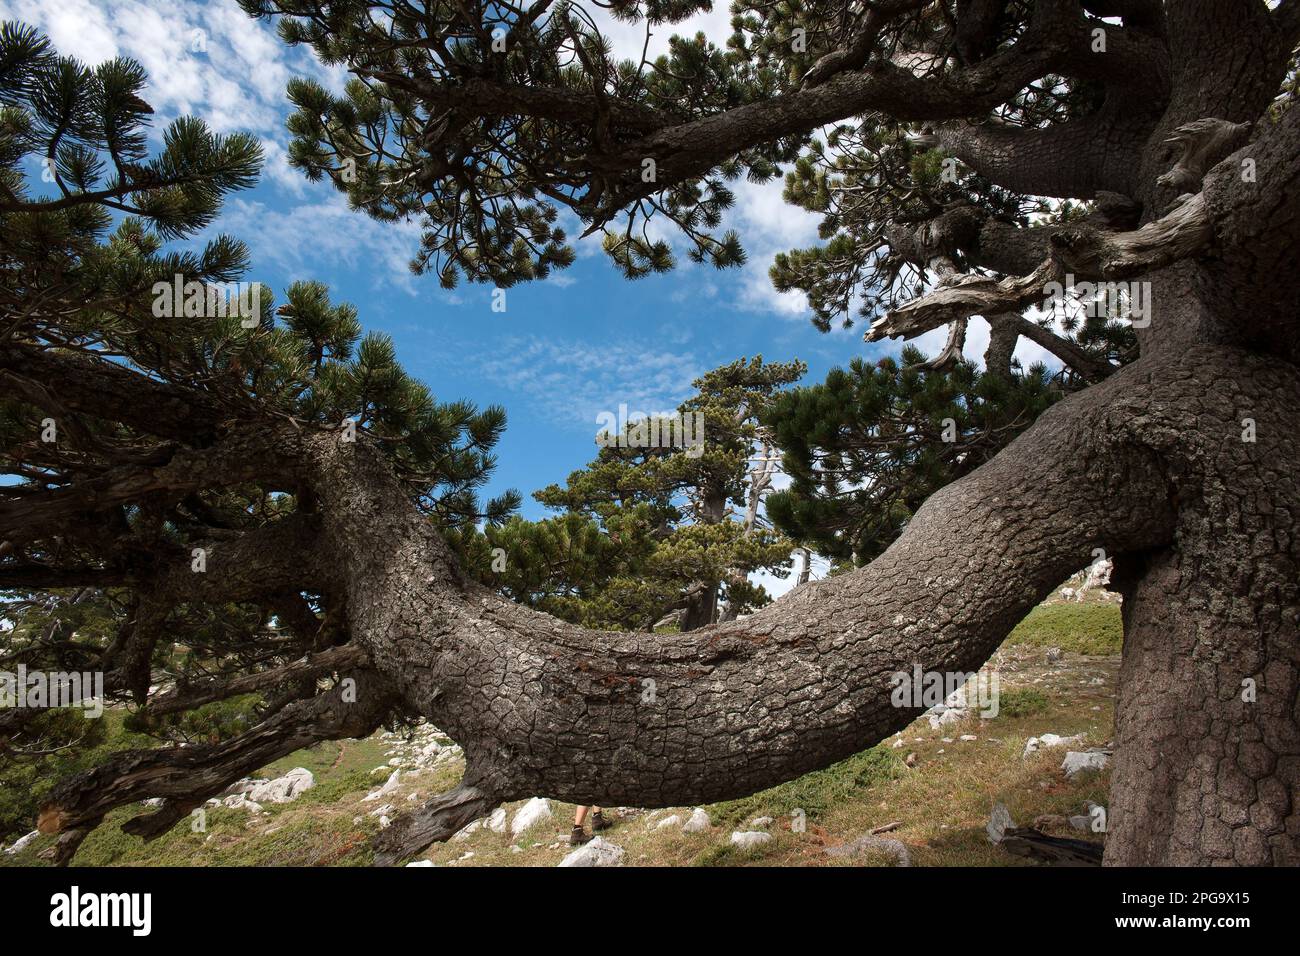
{"x": 865, "y": 448}
{"x": 91, "y": 251}
{"x": 644, "y": 531}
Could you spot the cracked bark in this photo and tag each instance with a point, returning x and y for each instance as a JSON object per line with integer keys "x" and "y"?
{"x": 1149, "y": 464}
{"x": 544, "y": 707}
{"x": 541, "y": 706}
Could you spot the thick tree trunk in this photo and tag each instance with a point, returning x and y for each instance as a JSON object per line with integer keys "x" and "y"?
{"x": 543, "y": 707}
{"x": 1208, "y": 727}
{"x": 1150, "y": 465}
{"x": 1150, "y": 462}
{"x": 702, "y": 607}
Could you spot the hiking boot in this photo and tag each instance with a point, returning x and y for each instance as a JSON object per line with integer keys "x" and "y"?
{"x": 578, "y": 837}
{"x": 598, "y": 822}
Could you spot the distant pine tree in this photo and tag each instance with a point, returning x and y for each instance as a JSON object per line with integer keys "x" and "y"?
{"x": 656, "y": 526}
{"x": 867, "y": 447}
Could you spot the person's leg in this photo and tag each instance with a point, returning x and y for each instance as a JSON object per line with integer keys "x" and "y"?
{"x": 598, "y": 821}
{"x": 579, "y": 835}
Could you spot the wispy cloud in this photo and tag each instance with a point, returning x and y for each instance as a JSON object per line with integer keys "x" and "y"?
{"x": 572, "y": 382}
{"x": 207, "y": 60}
{"x": 304, "y": 239}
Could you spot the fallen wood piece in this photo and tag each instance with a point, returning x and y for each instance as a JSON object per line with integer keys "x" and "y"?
{"x": 1059, "y": 851}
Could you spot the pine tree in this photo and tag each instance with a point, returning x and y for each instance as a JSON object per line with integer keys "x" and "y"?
{"x": 115, "y": 388}
{"x": 1172, "y": 125}
{"x": 867, "y": 447}
{"x": 656, "y": 527}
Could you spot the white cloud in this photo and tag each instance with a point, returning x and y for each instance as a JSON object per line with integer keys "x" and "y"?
{"x": 207, "y": 60}
{"x": 573, "y": 382}
{"x": 277, "y": 170}
{"x": 302, "y": 239}
{"x": 769, "y": 225}
{"x": 629, "y": 39}
{"x": 76, "y": 27}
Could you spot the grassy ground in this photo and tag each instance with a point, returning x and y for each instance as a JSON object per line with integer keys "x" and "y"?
{"x": 941, "y": 801}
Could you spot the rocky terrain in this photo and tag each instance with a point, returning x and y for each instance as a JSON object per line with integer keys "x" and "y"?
{"x": 924, "y": 797}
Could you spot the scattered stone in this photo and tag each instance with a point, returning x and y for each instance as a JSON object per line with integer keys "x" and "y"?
{"x": 468, "y": 830}
{"x": 761, "y": 823}
{"x": 21, "y": 843}
{"x": 941, "y": 715}
{"x": 865, "y": 844}
{"x": 531, "y": 813}
{"x": 699, "y": 822}
{"x": 748, "y": 839}
{"x": 599, "y": 852}
{"x": 496, "y": 822}
{"x": 1076, "y": 763}
{"x": 516, "y": 848}
{"x": 969, "y": 737}
{"x": 421, "y": 863}
{"x": 999, "y": 823}
{"x": 389, "y": 786}
{"x": 1053, "y": 655}
{"x": 253, "y": 792}
{"x": 1081, "y": 822}
{"x": 240, "y": 801}
{"x": 910, "y": 760}
{"x": 1035, "y": 744}
{"x": 666, "y": 822}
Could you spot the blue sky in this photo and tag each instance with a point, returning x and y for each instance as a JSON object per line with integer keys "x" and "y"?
{"x": 564, "y": 350}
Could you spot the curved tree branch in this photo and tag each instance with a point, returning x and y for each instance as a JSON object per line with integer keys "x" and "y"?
{"x": 541, "y": 706}
{"x": 1082, "y": 252}
{"x": 186, "y": 776}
